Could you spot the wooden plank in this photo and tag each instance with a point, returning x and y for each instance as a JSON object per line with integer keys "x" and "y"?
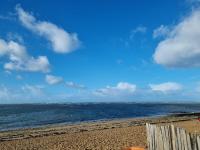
{"x": 184, "y": 139}
{"x": 198, "y": 142}
{"x": 168, "y": 132}
{"x": 174, "y": 138}
{"x": 148, "y": 138}
{"x": 194, "y": 142}
{"x": 189, "y": 142}
{"x": 179, "y": 139}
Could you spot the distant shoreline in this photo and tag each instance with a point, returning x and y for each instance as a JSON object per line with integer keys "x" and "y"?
{"x": 117, "y": 102}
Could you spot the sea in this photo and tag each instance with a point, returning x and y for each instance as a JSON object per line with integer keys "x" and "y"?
{"x": 17, "y": 116}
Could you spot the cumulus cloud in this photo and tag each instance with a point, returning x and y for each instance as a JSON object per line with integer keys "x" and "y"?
{"x": 181, "y": 48}
{"x": 75, "y": 85}
{"x": 50, "y": 79}
{"x": 166, "y": 87}
{"x": 61, "y": 40}
{"x": 20, "y": 60}
{"x": 122, "y": 88}
{"x": 161, "y": 31}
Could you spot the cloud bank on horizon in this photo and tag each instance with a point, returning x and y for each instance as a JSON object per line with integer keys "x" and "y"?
{"x": 166, "y": 87}
{"x": 43, "y": 76}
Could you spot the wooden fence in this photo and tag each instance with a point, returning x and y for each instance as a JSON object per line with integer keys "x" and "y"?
{"x": 171, "y": 138}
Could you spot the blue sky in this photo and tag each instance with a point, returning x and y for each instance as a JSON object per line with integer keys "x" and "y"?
{"x": 99, "y": 51}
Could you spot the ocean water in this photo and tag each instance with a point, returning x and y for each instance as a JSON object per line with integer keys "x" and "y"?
{"x": 33, "y": 115}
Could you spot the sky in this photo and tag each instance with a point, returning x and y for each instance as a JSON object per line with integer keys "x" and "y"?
{"x": 99, "y": 51}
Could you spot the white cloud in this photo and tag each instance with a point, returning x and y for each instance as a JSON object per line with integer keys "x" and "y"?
{"x": 119, "y": 93}
{"x": 122, "y": 88}
{"x": 166, "y": 87}
{"x": 12, "y": 95}
{"x": 161, "y": 31}
{"x": 74, "y": 85}
{"x": 20, "y": 60}
{"x": 139, "y": 29}
{"x": 23, "y": 94}
{"x": 182, "y": 47}
{"x": 61, "y": 40}
{"x": 50, "y": 79}
{"x": 35, "y": 90}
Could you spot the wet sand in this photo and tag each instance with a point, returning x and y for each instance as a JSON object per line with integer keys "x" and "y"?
{"x": 102, "y": 135}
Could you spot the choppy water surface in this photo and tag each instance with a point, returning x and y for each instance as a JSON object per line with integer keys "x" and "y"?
{"x": 31, "y": 115}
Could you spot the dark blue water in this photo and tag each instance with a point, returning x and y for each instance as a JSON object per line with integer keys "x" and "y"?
{"x": 32, "y": 115}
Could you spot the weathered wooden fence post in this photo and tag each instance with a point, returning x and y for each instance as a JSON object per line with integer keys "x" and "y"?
{"x": 170, "y": 138}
